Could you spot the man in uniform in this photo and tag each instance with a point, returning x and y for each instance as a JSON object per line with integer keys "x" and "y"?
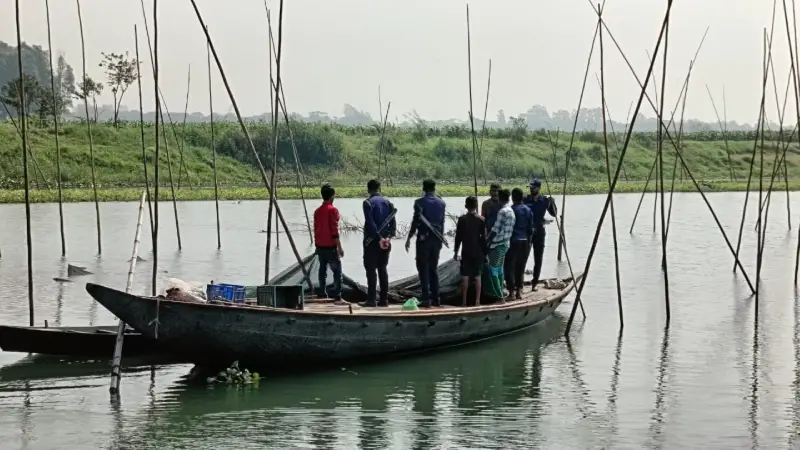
{"x": 428, "y": 226}
{"x": 539, "y": 204}
{"x": 379, "y": 228}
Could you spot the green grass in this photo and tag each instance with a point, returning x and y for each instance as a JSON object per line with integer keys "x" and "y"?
{"x": 347, "y": 157}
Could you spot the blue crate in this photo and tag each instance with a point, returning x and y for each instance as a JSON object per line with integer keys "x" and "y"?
{"x": 226, "y": 292}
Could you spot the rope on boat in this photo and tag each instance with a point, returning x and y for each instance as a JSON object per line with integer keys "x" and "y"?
{"x": 155, "y": 321}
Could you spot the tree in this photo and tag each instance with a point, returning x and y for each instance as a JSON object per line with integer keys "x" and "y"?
{"x": 10, "y": 94}
{"x": 120, "y": 74}
{"x": 519, "y": 128}
{"x": 501, "y": 118}
{"x": 89, "y": 88}
{"x": 65, "y": 83}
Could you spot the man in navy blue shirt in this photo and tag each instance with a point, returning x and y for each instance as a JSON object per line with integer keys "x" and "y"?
{"x": 379, "y": 229}
{"x": 429, "y": 234}
{"x": 539, "y": 204}
{"x": 520, "y": 247}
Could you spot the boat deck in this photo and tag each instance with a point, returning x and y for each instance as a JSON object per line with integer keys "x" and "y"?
{"x": 328, "y": 306}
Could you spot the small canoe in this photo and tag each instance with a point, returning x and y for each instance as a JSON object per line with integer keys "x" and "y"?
{"x": 322, "y": 333}
{"x": 88, "y": 342}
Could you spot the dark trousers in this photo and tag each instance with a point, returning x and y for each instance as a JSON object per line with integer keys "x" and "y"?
{"x": 329, "y": 258}
{"x": 514, "y": 264}
{"x": 427, "y": 265}
{"x": 376, "y": 261}
{"x": 538, "y": 254}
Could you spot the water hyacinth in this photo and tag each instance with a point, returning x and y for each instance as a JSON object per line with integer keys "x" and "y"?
{"x": 233, "y": 375}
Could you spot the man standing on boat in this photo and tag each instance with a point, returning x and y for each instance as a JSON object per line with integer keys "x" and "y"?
{"x": 539, "y": 204}
{"x": 490, "y": 206}
{"x": 471, "y": 232}
{"x": 499, "y": 239}
{"x": 379, "y": 229}
{"x": 520, "y": 247}
{"x": 428, "y": 226}
{"x": 329, "y": 248}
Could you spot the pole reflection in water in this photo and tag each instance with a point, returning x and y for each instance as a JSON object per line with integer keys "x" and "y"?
{"x": 660, "y": 407}
{"x": 794, "y": 430}
{"x": 613, "y": 394}
{"x": 753, "y": 410}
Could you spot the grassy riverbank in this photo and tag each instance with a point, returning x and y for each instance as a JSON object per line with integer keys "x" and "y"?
{"x": 347, "y": 157}
{"x": 260, "y": 193}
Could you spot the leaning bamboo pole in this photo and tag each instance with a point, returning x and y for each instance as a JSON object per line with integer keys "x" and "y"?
{"x": 483, "y": 127}
{"x": 24, "y": 128}
{"x": 141, "y": 128}
{"x": 619, "y": 163}
{"x": 664, "y": 265}
{"x": 37, "y": 171}
{"x": 89, "y": 131}
{"x": 724, "y": 130}
{"x": 182, "y": 142}
{"x": 117, "y": 359}
{"x": 275, "y": 141}
{"x": 471, "y": 115}
{"x": 213, "y": 148}
{"x": 246, "y": 132}
{"x": 271, "y": 42}
{"x": 57, "y": 105}
{"x": 154, "y": 278}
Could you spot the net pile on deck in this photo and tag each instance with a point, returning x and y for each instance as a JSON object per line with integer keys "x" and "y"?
{"x": 352, "y": 291}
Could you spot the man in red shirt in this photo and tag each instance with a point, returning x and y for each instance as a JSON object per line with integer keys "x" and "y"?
{"x": 326, "y": 238}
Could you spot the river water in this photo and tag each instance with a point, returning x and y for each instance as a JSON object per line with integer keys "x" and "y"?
{"x": 716, "y": 378}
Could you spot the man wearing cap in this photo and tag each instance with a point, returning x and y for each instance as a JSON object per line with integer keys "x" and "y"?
{"x": 538, "y": 204}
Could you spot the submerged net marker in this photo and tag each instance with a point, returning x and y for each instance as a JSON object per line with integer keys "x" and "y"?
{"x": 23, "y": 119}
{"x": 243, "y": 126}
{"x": 89, "y": 129}
{"x": 117, "y": 360}
{"x": 56, "y": 115}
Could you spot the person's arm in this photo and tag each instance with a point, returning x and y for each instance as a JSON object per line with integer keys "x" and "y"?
{"x": 531, "y": 227}
{"x": 459, "y": 237}
{"x": 483, "y": 209}
{"x": 369, "y": 221}
{"x": 412, "y": 230}
{"x": 334, "y": 223}
{"x": 392, "y": 223}
{"x": 552, "y": 209}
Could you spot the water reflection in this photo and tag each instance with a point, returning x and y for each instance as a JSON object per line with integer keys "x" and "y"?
{"x": 425, "y": 401}
{"x": 659, "y": 408}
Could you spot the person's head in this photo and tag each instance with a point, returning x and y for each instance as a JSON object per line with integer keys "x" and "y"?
{"x": 373, "y": 186}
{"x": 328, "y": 192}
{"x": 493, "y": 189}
{"x": 503, "y": 195}
{"x": 516, "y": 195}
{"x": 535, "y": 186}
{"x": 428, "y": 186}
{"x": 471, "y": 203}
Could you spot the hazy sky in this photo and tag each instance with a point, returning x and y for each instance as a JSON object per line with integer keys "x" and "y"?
{"x": 339, "y": 51}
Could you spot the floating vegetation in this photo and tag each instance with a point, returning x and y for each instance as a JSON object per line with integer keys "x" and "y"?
{"x": 233, "y": 375}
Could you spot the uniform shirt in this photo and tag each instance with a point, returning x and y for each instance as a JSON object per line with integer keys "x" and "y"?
{"x": 326, "y": 225}
{"x": 538, "y": 208}
{"x": 471, "y": 236}
{"x": 523, "y": 223}
{"x": 503, "y": 227}
{"x": 377, "y": 209}
{"x": 432, "y": 208}
{"x": 489, "y": 210}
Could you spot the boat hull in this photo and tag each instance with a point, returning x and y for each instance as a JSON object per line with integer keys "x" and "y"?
{"x": 88, "y": 342}
{"x": 270, "y": 337}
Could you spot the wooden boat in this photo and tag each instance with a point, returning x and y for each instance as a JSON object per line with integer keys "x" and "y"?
{"x": 85, "y": 342}
{"x": 322, "y": 333}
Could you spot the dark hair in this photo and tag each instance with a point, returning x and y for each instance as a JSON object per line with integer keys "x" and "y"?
{"x": 428, "y": 185}
{"x": 327, "y": 191}
{"x": 503, "y": 195}
{"x": 516, "y": 194}
{"x": 373, "y": 185}
{"x": 471, "y": 202}
{"x": 494, "y": 187}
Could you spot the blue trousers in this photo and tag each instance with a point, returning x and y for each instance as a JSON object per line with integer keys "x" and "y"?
{"x": 427, "y": 265}
{"x": 329, "y": 258}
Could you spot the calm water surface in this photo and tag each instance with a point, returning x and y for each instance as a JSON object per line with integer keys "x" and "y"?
{"x": 716, "y": 378}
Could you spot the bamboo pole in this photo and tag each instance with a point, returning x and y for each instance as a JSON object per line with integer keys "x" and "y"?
{"x": 680, "y": 155}
{"x": 608, "y": 173}
{"x": 471, "y": 115}
{"x": 263, "y": 171}
{"x": 664, "y": 265}
{"x": 619, "y": 163}
{"x": 172, "y": 187}
{"x": 154, "y": 53}
{"x": 572, "y": 137}
{"x": 679, "y": 132}
{"x": 23, "y": 119}
{"x": 275, "y": 130}
{"x": 271, "y": 42}
{"x": 37, "y": 171}
{"x": 724, "y": 130}
{"x": 795, "y": 81}
{"x": 382, "y": 150}
{"x": 213, "y": 147}
{"x": 56, "y": 114}
{"x": 89, "y": 133}
{"x": 381, "y": 122}
{"x": 611, "y": 125}
{"x": 761, "y": 186}
{"x": 117, "y": 360}
{"x": 182, "y": 143}
{"x": 141, "y": 128}
{"x": 483, "y": 127}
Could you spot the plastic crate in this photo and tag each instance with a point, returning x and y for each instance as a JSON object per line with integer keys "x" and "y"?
{"x": 280, "y": 296}
{"x": 226, "y": 292}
